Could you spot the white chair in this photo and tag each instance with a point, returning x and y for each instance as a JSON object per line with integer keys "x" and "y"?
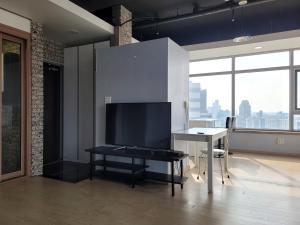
{"x": 219, "y": 153}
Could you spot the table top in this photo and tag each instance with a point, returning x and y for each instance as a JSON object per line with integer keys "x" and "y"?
{"x": 201, "y": 131}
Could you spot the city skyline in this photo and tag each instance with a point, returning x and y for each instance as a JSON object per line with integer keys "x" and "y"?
{"x": 254, "y": 87}
{"x": 246, "y": 116}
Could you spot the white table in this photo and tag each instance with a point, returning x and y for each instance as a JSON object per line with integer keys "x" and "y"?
{"x": 209, "y": 135}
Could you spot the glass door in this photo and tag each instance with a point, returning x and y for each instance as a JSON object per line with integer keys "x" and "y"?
{"x": 11, "y": 107}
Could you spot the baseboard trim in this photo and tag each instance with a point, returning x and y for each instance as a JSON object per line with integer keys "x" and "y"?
{"x": 265, "y": 152}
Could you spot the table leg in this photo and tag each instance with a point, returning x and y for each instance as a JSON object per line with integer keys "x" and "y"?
{"x": 226, "y": 153}
{"x": 181, "y": 173}
{"x": 104, "y": 162}
{"x": 197, "y": 155}
{"x": 132, "y": 173}
{"x": 172, "y": 177}
{"x": 144, "y": 165}
{"x": 91, "y": 165}
{"x": 210, "y": 165}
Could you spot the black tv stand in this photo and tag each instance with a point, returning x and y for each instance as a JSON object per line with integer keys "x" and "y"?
{"x": 137, "y": 169}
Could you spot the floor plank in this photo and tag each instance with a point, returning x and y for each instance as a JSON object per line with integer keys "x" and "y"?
{"x": 262, "y": 190}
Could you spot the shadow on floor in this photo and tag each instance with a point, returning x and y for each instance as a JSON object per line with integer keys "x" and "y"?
{"x": 67, "y": 171}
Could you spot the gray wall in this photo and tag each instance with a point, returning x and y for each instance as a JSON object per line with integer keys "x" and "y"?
{"x": 78, "y": 109}
{"x": 266, "y": 143}
{"x": 85, "y": 101}
{"x": 70, "y": 104}
{"x": 130, "y": 73}
{"x": 139, "y": 73}
{"x": 178, "y": 90}
{"x": 178, "y": 84}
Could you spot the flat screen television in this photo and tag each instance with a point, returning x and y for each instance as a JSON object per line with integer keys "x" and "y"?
{"x": 139, "y": 124}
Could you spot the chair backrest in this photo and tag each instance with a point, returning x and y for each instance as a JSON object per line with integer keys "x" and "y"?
{"x": 228, "y": 122}
{"x": 231, "y": 126}
{"x": 233, "y": 120}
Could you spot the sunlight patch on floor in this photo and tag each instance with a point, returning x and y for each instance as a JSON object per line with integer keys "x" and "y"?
{"x": 256, "y": 174}
{"x": 200, "y": 180}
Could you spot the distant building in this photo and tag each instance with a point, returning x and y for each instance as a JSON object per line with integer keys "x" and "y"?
{"x": 215, "y": 109}
{"x": 194, "y": 101}
{"x": 198, "y": 106}
{"x": 197, "y": 101}
{"x": 261, "y": 120}
{"x": 203, "y": 101}
{"x": 244, "y": 118}
{"x": 245, "y": 109}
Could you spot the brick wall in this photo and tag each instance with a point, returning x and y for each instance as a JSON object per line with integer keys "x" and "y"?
{"x": 42, "y": 50}
{"x": 53, "y": 52}
{"x": 122, "y": 34}
{"x": 37, "y": 98}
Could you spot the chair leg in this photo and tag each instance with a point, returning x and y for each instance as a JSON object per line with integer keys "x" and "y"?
{"x": 228, "y": 176}
{"x": 220, "y": 160}
{"x": 199, "y": 158}
{"x": 205, "y": 162}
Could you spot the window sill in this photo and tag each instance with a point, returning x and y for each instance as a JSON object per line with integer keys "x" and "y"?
{"x": 280, "y": 132}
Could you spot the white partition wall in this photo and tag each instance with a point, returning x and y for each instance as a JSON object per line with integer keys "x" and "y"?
{"x": 178, "y": 86}
{"x": 178, "y": 91}
{"x": 70, "y": 104}
{"x": 150, "y": 71}
{"x": 78, "y": 101}
{"x": 85, "y": 101}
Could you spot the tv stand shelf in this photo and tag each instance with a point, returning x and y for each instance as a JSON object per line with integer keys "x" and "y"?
{"x": 120, "y": 165}
{"x": 135, "y": 169}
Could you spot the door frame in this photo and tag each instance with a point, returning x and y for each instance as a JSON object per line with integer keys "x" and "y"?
{"x": 13, "y": 39}
{"x": 60, "y": 104}
{"x": 16, "y": 34}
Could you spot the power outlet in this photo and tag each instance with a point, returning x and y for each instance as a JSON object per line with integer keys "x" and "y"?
{"x": 280, "y": 140}
{"x": 107, "y": 99}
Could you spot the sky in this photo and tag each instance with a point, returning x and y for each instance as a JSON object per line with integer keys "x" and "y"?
{"x": 218, "y": 87}
{"x": 267, "y": 91}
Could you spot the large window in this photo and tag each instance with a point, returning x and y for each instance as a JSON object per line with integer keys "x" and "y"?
{"x": 262, "y": 100}
{"x": 297, "y": 122}
{"x": 260, "y": 61}
{"x": 298, "y": 89}
{"x": 297, "y": 57}
{"x": 210, "y": 98}
{"x": 260, "y": 85}
{"x": 210, "y": 66}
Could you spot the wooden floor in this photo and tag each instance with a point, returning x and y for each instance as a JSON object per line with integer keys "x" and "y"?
{"x": 262, "y": 190}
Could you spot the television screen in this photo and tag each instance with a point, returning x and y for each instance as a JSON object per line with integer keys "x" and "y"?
{"x": 139, "y": 124}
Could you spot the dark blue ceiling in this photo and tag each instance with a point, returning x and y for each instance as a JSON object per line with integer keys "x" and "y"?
{"x": 258, "y": 17}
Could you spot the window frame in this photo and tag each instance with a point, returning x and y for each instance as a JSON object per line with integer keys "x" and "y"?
{"x": 263, "y": 53}
{"x": 297, "y": 71}
{"x": 289, "y": 96}
{"x": 212, "y": 73}
{"x": 293, "y": 69}
{"x": 293, "y": 62}
{"x": 216, "y": 74}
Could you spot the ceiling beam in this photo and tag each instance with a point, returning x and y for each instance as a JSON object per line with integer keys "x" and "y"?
{"x": 218, "y": 9}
